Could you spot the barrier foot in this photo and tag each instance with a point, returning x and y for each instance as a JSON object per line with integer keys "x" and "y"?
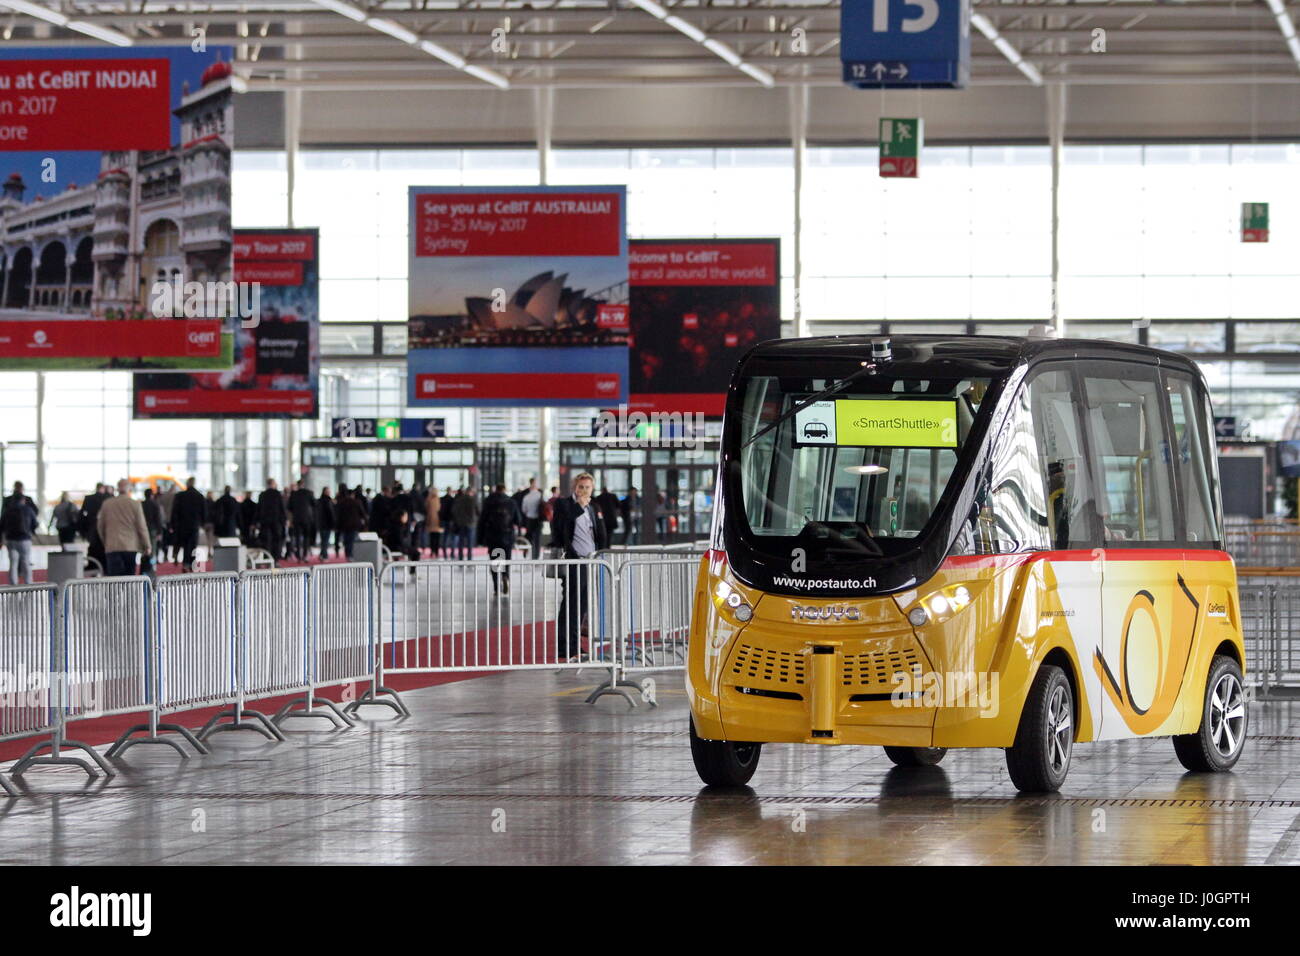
{"x": 9, "y": 788}
{"x": 58, "y": 759}
{"x": 616, "y": 687}
{"x": 126, "y": 740}
{"x": 260, "y": 723}
{"x": 329, "y": 711}
{"x": 371, "y": 698}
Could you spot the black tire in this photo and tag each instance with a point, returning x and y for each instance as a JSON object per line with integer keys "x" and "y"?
{"x": 916, "y": 756}
{"x": 1217, "y": 744}
{"x": 1040, "y": 758}
{"x": 723, "y": 763}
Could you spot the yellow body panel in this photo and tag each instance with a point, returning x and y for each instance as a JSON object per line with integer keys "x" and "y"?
{"x": 1136, "y": 632}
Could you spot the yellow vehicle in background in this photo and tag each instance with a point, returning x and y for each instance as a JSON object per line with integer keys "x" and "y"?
{"x": 935, "y": 542}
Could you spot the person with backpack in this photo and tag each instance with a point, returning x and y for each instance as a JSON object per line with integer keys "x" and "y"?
{"x": 226, "y": 515}
{"x": 18, "y": 522}
{"x": 349, "y": 518}
{"x": 465, "y": 514}
{"x": 496, "y": 531}
{"x": 64, "y": 520}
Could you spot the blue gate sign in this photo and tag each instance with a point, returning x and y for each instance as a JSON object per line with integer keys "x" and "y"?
{"x": 905, "y": 43}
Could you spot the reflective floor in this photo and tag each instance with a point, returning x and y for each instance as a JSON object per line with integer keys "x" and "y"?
{"x": 516, "y": 769}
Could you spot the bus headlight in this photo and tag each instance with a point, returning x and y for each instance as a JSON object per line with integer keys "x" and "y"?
{"x": 943, "y": 604}
{"x": 731, "y": 598}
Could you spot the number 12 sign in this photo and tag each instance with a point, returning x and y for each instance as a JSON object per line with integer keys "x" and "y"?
{"x": 905, "y": 43}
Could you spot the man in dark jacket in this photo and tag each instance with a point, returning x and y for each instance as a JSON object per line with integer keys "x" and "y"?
{"x": 153, "y": 521}
{"x": 189, "y": 509}
{"x": 496, "y": 532}
{"x": 444, "y": 518}
{"x": 325, "y": 522}
{"x": 349, "y": 517}
{"x": 248, "y": 520}
{"x": 576, "y": 528}
{"x": 271, "y": 516}
{"x": 380, "y": 506}
{"x": 226, "y": 515}
{"x": 17, "y": 525}
{"x": 302, "y": 520}
{"x": 89, "y": 526}
{"x": 608, "y": 506}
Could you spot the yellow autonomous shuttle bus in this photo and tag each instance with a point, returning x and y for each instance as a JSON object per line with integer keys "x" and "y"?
{"x": 933, "y": 542}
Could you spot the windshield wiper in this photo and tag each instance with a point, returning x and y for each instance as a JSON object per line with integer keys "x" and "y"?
{"x": 867, "y": 369}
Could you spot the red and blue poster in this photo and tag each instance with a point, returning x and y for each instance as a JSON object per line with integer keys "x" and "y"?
{"x": 114, "y": 181}
{"x": 277, "y": 355}
{"x": 518, "y": 296}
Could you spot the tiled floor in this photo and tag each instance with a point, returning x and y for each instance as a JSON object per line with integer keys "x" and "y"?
{"x": 517, "y": 769}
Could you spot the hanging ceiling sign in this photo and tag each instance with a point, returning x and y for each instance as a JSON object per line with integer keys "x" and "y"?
{"x": 905, "y": 43}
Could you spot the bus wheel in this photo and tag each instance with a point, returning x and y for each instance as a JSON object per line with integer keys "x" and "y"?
{"x": 1040, "y": 757}
{"x": 1217, "y": 743}
{"x": 916, "y": 756}
{"x": 723, "y": 763}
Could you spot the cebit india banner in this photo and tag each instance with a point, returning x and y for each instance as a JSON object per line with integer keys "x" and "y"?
{"x": 114, "y": 184}
{"x": 277, "y": 357}
{"x": 697, "y": 305}
{"x": 518, "y": 296}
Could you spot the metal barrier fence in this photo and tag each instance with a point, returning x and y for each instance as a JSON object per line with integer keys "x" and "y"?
{"x": 114, "y": 646}
{"x": 496, "y": 615}
{"x": 1269, "y": 543}
{"x": 27, "y": 619}
{"x": 1270, "y": 621}
{"x": 655, "y": 615}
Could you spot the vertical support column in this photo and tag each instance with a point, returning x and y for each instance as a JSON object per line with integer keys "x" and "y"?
{"x": 1056, "y": 136}
{"x": 544, "y": 118}
{"x": 292, "y": 131}
{"x": 799, "y": 140}
{"x": 40, "y": 445}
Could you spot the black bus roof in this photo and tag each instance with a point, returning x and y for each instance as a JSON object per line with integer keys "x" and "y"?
{"x": 1004, "y": 350}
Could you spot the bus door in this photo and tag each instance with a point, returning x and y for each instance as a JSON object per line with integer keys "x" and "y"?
{"x": 1074, "y": 561}
{"x": 1148, "y": 616}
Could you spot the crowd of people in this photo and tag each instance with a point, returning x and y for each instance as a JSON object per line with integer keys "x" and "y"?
{"x": 299, "y": 524}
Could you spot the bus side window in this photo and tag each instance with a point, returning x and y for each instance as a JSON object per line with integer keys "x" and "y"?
{"x": 1129, "y": 443}
{"x": 1071, "y": 511}
{"x": 1010, "y": 510}
{"x": 1193, "y": 460}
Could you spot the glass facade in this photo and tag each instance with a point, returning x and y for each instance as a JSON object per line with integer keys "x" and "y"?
{"x": 1148, "y": 233}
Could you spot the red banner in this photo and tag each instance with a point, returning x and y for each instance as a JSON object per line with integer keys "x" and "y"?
{"x": 597, "y": 386}
{"x": 702, "y": 263}
{"x": 126, "y": 339}
{"x": 271, "y": 247}
{"x": 85, "y": 104}
{"x": 264, "y": 401}
{"x": 517, "y": 224}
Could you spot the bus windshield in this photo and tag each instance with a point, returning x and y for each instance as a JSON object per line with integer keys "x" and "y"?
{"x": 862, "y": 468}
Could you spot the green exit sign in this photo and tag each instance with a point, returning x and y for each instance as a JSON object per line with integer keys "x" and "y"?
{"x": 1254, "y": 222}
{"x": 388, "y": 428}
{"x": 900, "y": 147}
